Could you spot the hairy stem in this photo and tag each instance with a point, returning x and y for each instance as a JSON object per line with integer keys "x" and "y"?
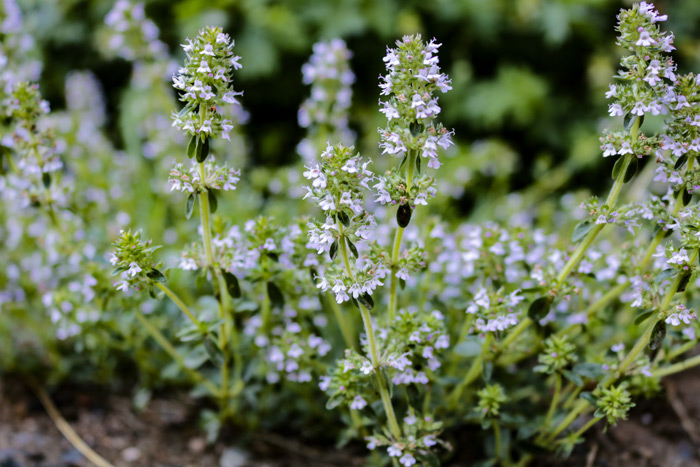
{"x": 396, "y": 250}
{"x": 394, "y": 427}
{"x": 555, "y": 401}
{"x": 180, "y": 304}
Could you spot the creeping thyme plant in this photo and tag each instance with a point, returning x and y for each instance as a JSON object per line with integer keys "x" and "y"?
{"x": 363, "y": 310}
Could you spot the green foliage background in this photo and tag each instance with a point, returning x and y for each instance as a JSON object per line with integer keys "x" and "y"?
{"x": 528, "y": 75}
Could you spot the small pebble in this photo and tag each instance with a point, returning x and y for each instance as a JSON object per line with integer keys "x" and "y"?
{"x": 197, "y": 445}
{"x": 131, "y": 454}
{"x": 233, "y": 457}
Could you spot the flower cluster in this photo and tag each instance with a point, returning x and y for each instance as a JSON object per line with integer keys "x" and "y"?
{"x": 642, "y": 88}
{"x": 325, "y": 112}
{"x": 131, "y": 35}
{"x": 491, "y": 398}
{"x": 420, "y": 438}
{"x": 134, "y": 263}
{"x": 206, "y": 86}
{"x": 614, "y": 404}
{"x": 558, "y": 354}
{"x": 337, "y": 184}
{"x": 411, "y": 132}
{"x": 495, "y": 311}
{"x": 189, "y": 180}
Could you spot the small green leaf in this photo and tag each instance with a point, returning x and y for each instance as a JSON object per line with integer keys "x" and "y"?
{"x": 367, "y": 300}
{"x": 215, "y": 354}
{"x": 687, "y": 197}
{"x": 416, "y": 129}
{"x": 275, "y": 294}
{"x": 539, "y": 308}
{"x": 683, "y": 282}
{"x": 403, "y": 215}
{"x": 156, "y": 275}
{"x": 189, "y": 205}
{"x": 631, "y": 169}
{"x": 353, "y": 248}
{"x": 589, "y": 370}
{"x": 665, "y": 274}
{"x": 573, "y": 377}
{"x": 418, "y": 162}
{"x": 590, "y": 398}
{"x": 403, "y": 161}
{"x": 628, "y": 121}
{"x": 46, "y": 179}
{"x": 468, "y": 348}
{"x": 681, "y": 161}
{"x": 343, "y": 217}
{"x": 581, "y": 230}
{"x": 657, "y": 335}
{"x": 487, "y": 370}
{"x": 192, "y": 146}
{"x": 402, "y": 283}
{"x": 232, "y": 285}
{"x": 119, "y": 270}
{"x": 202, "y": 151}
{"x": 617, "y": 167}
{"x": 333, "y": 252}
{"x": 334, "y": 402}
{"x": 213, "y": 202}
{"x": 643, "y": 316}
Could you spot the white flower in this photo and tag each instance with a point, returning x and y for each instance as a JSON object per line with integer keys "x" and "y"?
{"x": 645, "y": 39}
{"x": 408, "y": 460}
{"x": 358, "y": 403}
{"x": 133, "y": 269}
{"x": 208, "y": 50}
{"x": 203, "y": 67}
{"x": 394, "y": 450}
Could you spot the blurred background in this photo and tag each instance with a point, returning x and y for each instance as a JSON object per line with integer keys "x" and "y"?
{"x": 529, "y": 76}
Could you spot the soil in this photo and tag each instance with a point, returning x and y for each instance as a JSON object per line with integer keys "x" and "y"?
{"x": 663, "y": 432}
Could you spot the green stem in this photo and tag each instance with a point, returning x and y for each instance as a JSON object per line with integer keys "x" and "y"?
{"x": 227, "y": 325}
{"x": 585, "y": 427}
{"x": 180, "y": 304}
{"x": 497, "y": 436}
{"x": 473, "y": 372}
{"x": 555, "y": 401}
{"x": 681, "y": 350}
{"x": 677, "y": 367}
{"x": 393, "y": 303}
{"x": 371, "y": 340}
{"x": 163, "y": 342}
{"x": 396, "y": 250}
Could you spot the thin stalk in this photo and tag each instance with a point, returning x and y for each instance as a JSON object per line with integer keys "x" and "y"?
{"x": 64, "y": 427}
{"x": 585, "y": 427}
{"x": 170, "y": 350}
{"x": 555, "y": 401}
{"x": 227, "y": 325}
{"x": 497, "y": 436}
{"x": 180, "y": 304}
{"x": 680, "y": 350}
{"x": 396, "y": 250}
{"x": 677, "y": 367}
{"x": 372, "y": 341}
{"x": 473, "y": 372}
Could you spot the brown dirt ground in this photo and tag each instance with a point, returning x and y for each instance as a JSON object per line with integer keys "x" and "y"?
{"x": 661, "y": 432}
